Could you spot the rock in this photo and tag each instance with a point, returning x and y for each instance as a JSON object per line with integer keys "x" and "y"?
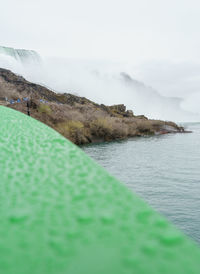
{"x": 119, "y": 108}
{"x": 141, "y": 117}
{"x": 129, "y": 113}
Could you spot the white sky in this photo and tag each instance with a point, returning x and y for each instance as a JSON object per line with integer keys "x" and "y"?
{"x": 157, "y": 41}
{"x": 124, "y": 30}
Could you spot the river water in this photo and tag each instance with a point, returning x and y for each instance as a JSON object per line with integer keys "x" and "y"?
{"x": 163, "y": 170}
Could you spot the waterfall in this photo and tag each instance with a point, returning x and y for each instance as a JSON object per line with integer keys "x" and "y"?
{"x": 21, "y": 55}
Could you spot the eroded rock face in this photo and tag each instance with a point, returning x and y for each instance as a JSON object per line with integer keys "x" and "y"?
{"x": 77, "y": 118}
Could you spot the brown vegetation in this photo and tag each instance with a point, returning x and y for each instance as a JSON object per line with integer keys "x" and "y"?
{"x": 77, "y": 118}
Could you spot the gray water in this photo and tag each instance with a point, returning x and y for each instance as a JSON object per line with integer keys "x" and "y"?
{"x": 164, "y": 170}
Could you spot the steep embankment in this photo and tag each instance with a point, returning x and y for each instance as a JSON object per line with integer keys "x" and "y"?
{"x": 77, "y": 118}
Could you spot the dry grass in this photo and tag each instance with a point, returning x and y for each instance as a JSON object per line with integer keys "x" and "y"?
{"x": 73, "y": 130}
{"x": 144, "y": 127}
{"x": 43, "y": 108}
{"x": 119, "y": 129}
{"x": 11, "y": 95}
{"x": 109, "y": 128}
{"x": 102, "y": 128}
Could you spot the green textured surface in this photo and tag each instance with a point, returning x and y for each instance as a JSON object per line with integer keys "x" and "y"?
{"x": 62, "y": 213}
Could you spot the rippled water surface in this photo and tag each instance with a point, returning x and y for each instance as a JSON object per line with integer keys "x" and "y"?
{"x": 164, "y": 170}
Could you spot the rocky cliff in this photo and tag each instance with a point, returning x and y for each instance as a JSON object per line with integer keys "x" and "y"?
{"x": 77, "y": 118}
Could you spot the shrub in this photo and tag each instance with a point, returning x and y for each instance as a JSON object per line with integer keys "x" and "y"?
{"x": 144, "y": 127}
{"x": 101, "y": 128}
{"x": 73, "y": 130}
{"x": 42, "y": 108}
{"x": 120, "y": 129}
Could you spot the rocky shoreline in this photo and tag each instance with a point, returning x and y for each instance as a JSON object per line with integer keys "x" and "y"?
{"x": 77, "y": 118}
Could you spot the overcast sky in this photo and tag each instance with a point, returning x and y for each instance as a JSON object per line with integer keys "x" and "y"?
{"x": 125, "y": 30}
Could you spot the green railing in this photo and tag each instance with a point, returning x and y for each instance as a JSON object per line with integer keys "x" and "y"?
{"x": 62, "y": 213}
